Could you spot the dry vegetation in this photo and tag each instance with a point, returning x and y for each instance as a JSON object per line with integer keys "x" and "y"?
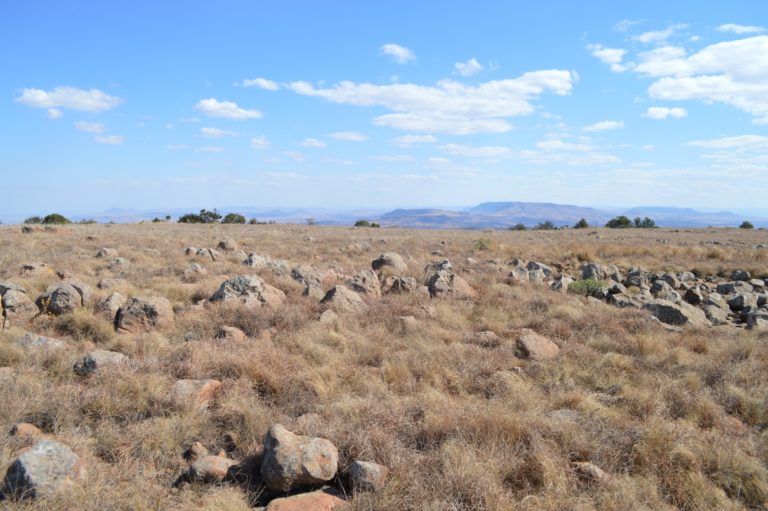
{"x": 676, "y": 419}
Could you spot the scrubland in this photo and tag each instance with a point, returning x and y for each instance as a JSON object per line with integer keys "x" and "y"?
{"x": 677, "y": 420}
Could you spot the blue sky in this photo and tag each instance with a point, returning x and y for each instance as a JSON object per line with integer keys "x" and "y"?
{"x": 393, "y": 104}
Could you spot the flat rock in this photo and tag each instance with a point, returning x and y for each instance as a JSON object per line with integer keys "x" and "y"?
{"x": 321, "y": 500}
{"x": 98, "y": 360}
{"x": 677, "y": 314}
{"x": 42, "y": 470}
{"x": 535, "y": 346}
{"x": 34, "y": 341}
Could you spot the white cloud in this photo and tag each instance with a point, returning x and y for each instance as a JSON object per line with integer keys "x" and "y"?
{"x": 294, "y": 155}
{"x": 559, "y": 145}
{"x": 109, "y": 139}
{"x": 55, "y": 113}
{"x": 349, "y": 136}
{"x": 449, "y": 106}
{"x": 90, "y": 127}
{"x": 604, "y": 125}
{"x": 648, "y": 148}
{"x": 740, "y": 29}
{"x": 662, "y": 112}
{"x": 468, "y": 68}
{"x": 740, "y": 142}
{"x": 210, "y": 149}
{"x": 260, "y": 142}
{"x": 610, "y": 56}
{"x": 625, "y": 25}
{"x": 261, "y": 83}
{"x": 226, "y": 110}
{"x": 659, "y": 36}
{"x": 393, "y": 157}
{"x": 313, "y": 142}
{"x": 476, "y": 152}
{"x": 71, "y": 98}
{"x": 217, "y": 133}
{"x": 399, "y": 54}
{"x": 409, "y": 140}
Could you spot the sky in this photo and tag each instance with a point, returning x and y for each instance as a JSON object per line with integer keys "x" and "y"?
{"x": 349, "y": 104}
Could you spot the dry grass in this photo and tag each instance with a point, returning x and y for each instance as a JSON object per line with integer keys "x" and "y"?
{"x": 677, "y": 420}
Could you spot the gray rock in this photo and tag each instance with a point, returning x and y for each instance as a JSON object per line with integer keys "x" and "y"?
{"x": 97, "y": 360}
{"x": 39, "y": 342}
{"x": 366, "y": 283}
{"x": 249, "y": 290}
{"x": 307, "y": 274}
{"x": 104, "y": 253}
{"x": 728, "y": 288}
{"x": 111, "y": 283}
{"x": 17, "y": 306}
{"x": 390, "y": 263}
{"x": 599, "y": 271}
{"x": 227, "y": 245}
{"x": 291, "y": 460}
{"x": 677, "y": 314}
{"x": 109, "y": 306}
{"x": 43, "y": 470}
{"x": 715, "y": 314}
{"x": 141, "y": 314}
{"x": 742, "y": 301}
{"x": 343, "y": 299}
{"x": 6, "y": 286}
{"x": 717, "y": 300}
{"x": 367, "y": 476}
{"x": 399, "y": 285}
{"x": 561, "y": 284}
{"x": 740, "y": 275}
{"x": 314, "y": 291}
{"x": 59, "y": 299}
{"x": 535, "y": 266}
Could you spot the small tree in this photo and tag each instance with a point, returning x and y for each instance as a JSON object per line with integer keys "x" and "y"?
{"x": 233, "y": 218}
{"x": 647, "y": 223}
{"x": 167, "y": 218}
{"x": 546, "y": 226}
{"x": 33, "y": 220}
{"x": 210, "y": 217}
{"x": 581, "y": 224}
{"x": 56, "y": 219}
{"x": 191, "y": 218}
{"x": 375, "y": 225}
{"x": 253, "y": 221}
{"x": 518, "y": 227}
{"x": 362, "y": 223}
{"x": 311, "y": 221}
{"x": 620, "y": 222}
{"x": 746, "y": 225}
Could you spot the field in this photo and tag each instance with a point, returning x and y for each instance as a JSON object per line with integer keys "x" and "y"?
{"x": 672, "y": 419}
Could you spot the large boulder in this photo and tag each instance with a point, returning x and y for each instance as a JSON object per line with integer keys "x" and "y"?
{"x": 249, "y": 290}
{"x": 535, "y": 346}
{"x": 320, "y": 500}
{"x": 63, "y": 298}
{"x": 227, "y": 245}
{"x": 291, "y": 460}
{"x": 343, "y": 299}
{"x": 597, "y": 271}
{"x": 446, "y": 283}
{"x": 366, "y": 283}
{"x": 32, "y": 341}
{"x": 367, "y": 476}
{"x": 98, "y": 360}
{"x": 399, "y": 285}
{"x": 109, "y": 306}
{"x": 677, "y": 314}
{"x": 194, "y": 394}
{"x": 141, "y": 314}
{"x": 390, "y": 263}
{"x": 42, "y": 470}
{"x": 307, "y": 274}
{"x": 16, "y": 306}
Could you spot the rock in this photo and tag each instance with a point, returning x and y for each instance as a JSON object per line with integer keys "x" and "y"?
{"x": 758, "y": 320}
{"x": 436, "y": 266}
{"x": 343, "y": 299}
{"x": 727, "y": 288}
{"x": 561, "y": 284}
{"x": 291, "y": 460}
{"x": 407, "y": 324}
{"x": 399, "y": 285}
{"x": 621, "y": 300}
{"x": 740, "y": 275}
{"x": 16, "y": 306}
{"x": 390, "y": 263}
{"x": 119, "y": 261}
{"x": 307, "y": 275}
{"x": 447, "y": 283}
{"x": 104, "y": 253}
{"x": 97, "y": 360}
{"x": 227, "y": 245}
{"x": 6, "y": 286}
{"x": 249, "y": 290}
{"x": 742, "y": 301}
{"x": 671, "y": 279}
{"x": 313, "y": 291}
{"x": 109, "y": 306}
{"x": 328, "y": 317}
{"x": 597, "y": 271}
{"x": 25, "y": 430}
{"x": 717, "y": 300}
{"x": 694, "y": 296}
{"x": 210, "y": 469}
{"x": 366, "y": 283}
{"x": 260, "y": 262}
{"x": 42, "y": 470}
{"x": 141, "y": 314}
{"x": 661, "y": 288}
{"x": 367, "y": 476}
{"x": 589, "y": 472}
{"x": 230, "y": 333}
{"x": 757, "y": 284}
{"x": 535, "y": 346}
{"x": 715, "y": 314}
{"x": 534, "y": 266}
{"x": 39, "y": 342}
{"x": 486, "y": 339}
{"x": 677, "y": 314}
{"x": 111, "y": 283}
{"x": 59, "y": 299}
{"x": 321, "y": 500}
{"x": 35, "y": 269}
{"x": 194, "y": 394}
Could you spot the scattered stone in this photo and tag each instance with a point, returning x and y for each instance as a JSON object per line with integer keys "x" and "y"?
{"x": 366, "y": 283}
{"x": 399, "y": 285}
{"x": 367, "y": 476}
{"x": 742, "y": 301}
{"x": 104, "y": 253}
{"x": 230, "y": 333}
{"x": 320, "y": 500}
{"x": 589, "y": 472}
{"x": 60, "y": 299}
{"x": 25, "y": 430}
{"x": 141, "y": 314}
{"x": 390, "y": 263}
{"x": 741, "y": 275}
{"x": 249, "y": 290}
{"x": 307, "y": 275}
{"x": 42, "y": 470}
{"x": 677, "y": 314}
{"x": 539, "y": 268}
{"x": 111, "y": 283}
{"x": 109, "y": 306}
{"x": 716, "y": 315}
{"x": 446, "y": 283}
{"x": 343, "y": 299}
{"x": 39, "y": 342}
{"x": 291, "y": 460}
{"x": 210, "y": 469}
{"x": 97, "y": 360}
{"x": 597, "y": 271}
{"x": 119, "y": 261}
{"x": 227, "y": 245}
{"x": 535, "y": 346}
{"x": 194, "y": 394}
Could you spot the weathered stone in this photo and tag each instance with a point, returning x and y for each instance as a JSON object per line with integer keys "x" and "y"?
{"x": 119, "y": 261}
{"x": 390, "y": 263}
{"x": 742, "y": 301}
{"x": 320, "y": 500}
{"x": 249, "y": 290}
{"x": 534, "y": 266}
{"x": 98, "y": 360}
{"x": 210, "y": 469}
{"x": 366, "y": 283}
{"x": 39, "y": 342}
{"x": 717, "y": 300}
{"x": 407, "y": 324}
{"x": 590, "y": 473}
{"x": 291, "y": 460}
{"x": 715, "y": 314}
{"x": 307, "y": 275}
{"x": 740, "y": 275}
{"x": 561, "y": 284}
{"x": 111, "y": 283}
{"x": 42, "y": 470}
{"x": 399, "y": 285}
{"x": 227, "y": 245}
{"x": 230, "y": 333}
{"x": 535, "y": 346}
{"x": 728, "y": 288}
{"x": 109, "y": 306}
{"x": 141, "y": 314}
{"x": 486, "y": 339}
{"x": 367, "y": 476}
{"x": 447, "y": 283}
{"x": 343, "y": 299}
{"x": 597, "y": 271}
{"x": 313, "y": 291}
{"x": 59, "y": 299}
{"x": 194, "y": 394}
{"x": 435, "y": 267}
{"x": 677, "y": 314}
{"x": 17, "y": 306}
{"x": 758, "y": 320}
{"x": 328, "y": 317}
{"x": 6, "y": 286}
{"x": 107, "y": 253}
{"x": 694, "y": 296}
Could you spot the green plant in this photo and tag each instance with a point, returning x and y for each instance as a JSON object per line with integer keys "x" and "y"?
{"x": 545, "y": 226}
{"x": 586, "y": 286}
{"x": 204, "y": 217}
{"x": 87, "y": 221}
{"x": 518, "y": 227}
{"x": 253, "y": 221}
{"x": 362, "y": 223}
{"x": 56, "y": 219}
{"x": 233, "y": 218}
{"x": 619, "y": 222}
{"x": 644, "y": 223}
{"x": 746, "y": 225}
{"x": 581, "y": 224}
{"x": 33, "y": 220}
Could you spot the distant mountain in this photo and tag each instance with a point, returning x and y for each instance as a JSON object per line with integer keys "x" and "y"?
{"x": 557, "y": 213}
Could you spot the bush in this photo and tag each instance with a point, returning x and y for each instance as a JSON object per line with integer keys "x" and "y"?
{"x": 253, "y": 221}
{"x": 645, "y": 223}
{"x": 204, "y": 217}
{"x": 586, "y": 286}
{"x": 581, "y": 224}
{"x": 362, "y": 223}
{"x": 233, "y": 218}
{"x": 620, "y": 222}
{"x": 746, "y": 225}
{"x": 56, "y": 219}
{"x": 518, "y": 227}
{"x": 545, "y": 226}
{"x": 87, "y": 221}
{"x": 33, "y": 220}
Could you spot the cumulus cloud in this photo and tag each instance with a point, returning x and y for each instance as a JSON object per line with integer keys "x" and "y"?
{"x": 662, "y": 112}
{"x": 109, "y": 139}
{"x": 468, "y": 68}
{"x": 449, "y": 106}
{"x": 226, "y": 110}
{"x": 409, "y": 140}
{"x": 659, "y": 36}
{"x": 261, "y": 83}
{"x": 610, "y": 56}
{"x": 90, "y": 127}
{"x": 740, "y": 142}
{"x": 260, "y": 142}
{"x": 55, "y": 113}
{"x": 349, "y": 136}
{"x": 476, "y": 152}
{"x": 604, "y": 125}
{"x": 740, "y": 29}
{"x": 313, "y": 142}
{"x": 399, "y": 54}
{"x": 70, "y": 98}
{"x": 217, "y": 133}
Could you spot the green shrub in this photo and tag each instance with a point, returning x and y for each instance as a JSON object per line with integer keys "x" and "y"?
{"x": 87, "y": 221}
{"x": 586, "y": 286}
{"x": 33, "y": 220}
{"x": 645, "y": 223}
{"x": 746, "y": 225}
{"x": 56, "y": 219}
{"x": 518, "y": 227}
{"x": 233, "y": 218}
{"x": 620, "y": 222}
{"x": 204, "y": 217}
{"x": 362, "y": 223}
{"x": 546, "y": 226}
{"x": 581, "y": 224}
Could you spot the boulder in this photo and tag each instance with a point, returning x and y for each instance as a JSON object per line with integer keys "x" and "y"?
{"x": 367, "y": 476}
{"x": 16, "y": 306}
{"x": 399, "y": 285}
{"x": 141, "y": 314}
{"x": 210, "y": 469}
{"x": 741, "y": 275}
{"x": 42, "y": 470}
{"x": 742, "y": 301}
{"x": 194, "y": 394}
{"x": 535, "y": 346}
{"x": 446, "y": 283}
{"x": 597, "y": 271}
{"x": 227, "y": 245}
{"x": 307, "y": 275}
{"x": 231, "y": 334}
{"x": 39, "y": 342}
{"x": 118, "y": 261}
{"x": 313, "y": 291}
{"x": 535, "y": 266}
{"x": 249, "y": 290}
{"x": 107, "y": 253}
{"x": 390, "y": 263}
{"x": 60, "y": 299}
{"x": 291, "y": 460}
{"x": 677, "y": 314}
{"x": 6, "y": 286}
{"x": 109, "y": 306}
{"x": 716, "y": 315}
{"x": 366, "y": 283}
{"x": 728, "y": 288}
{"x": 328, "y": 317}
{"x": 260, "y": 262}
{"x": 343, "y": 299}
{"x": 561, "y": 284}
{"x": 97, "y": 360}
{"x": 320, "y": 500}
{"x": 35, "y": 269}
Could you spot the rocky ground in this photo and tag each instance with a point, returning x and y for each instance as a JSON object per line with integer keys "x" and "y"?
{"x": 292, "y": 367}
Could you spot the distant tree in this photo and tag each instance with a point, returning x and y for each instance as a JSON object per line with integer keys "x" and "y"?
{"x": 253, "y": 221}
{"x": 167, "y": 218}
{"x": 646, "y": 223}
{"x": 581, "y": 224}
{"x": 191, "y": 218}
{"x": 620, "y": 222}
{"x": 746, "y": 225}
{"x": 56, "y": 219}
{"x": 362, "y": 223}
{"x": 87, "y": 221}
{"x": 233, "y": 218}
{"x": 311, "y": 221}
{"x": 210, "y": 217}
{"x": 375, "y": 225}
{"x": 545, "y": 226}
{"x": 156, "y": 220}
{"x": 33, "y": 220}
{"x": 518, "y": 227}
